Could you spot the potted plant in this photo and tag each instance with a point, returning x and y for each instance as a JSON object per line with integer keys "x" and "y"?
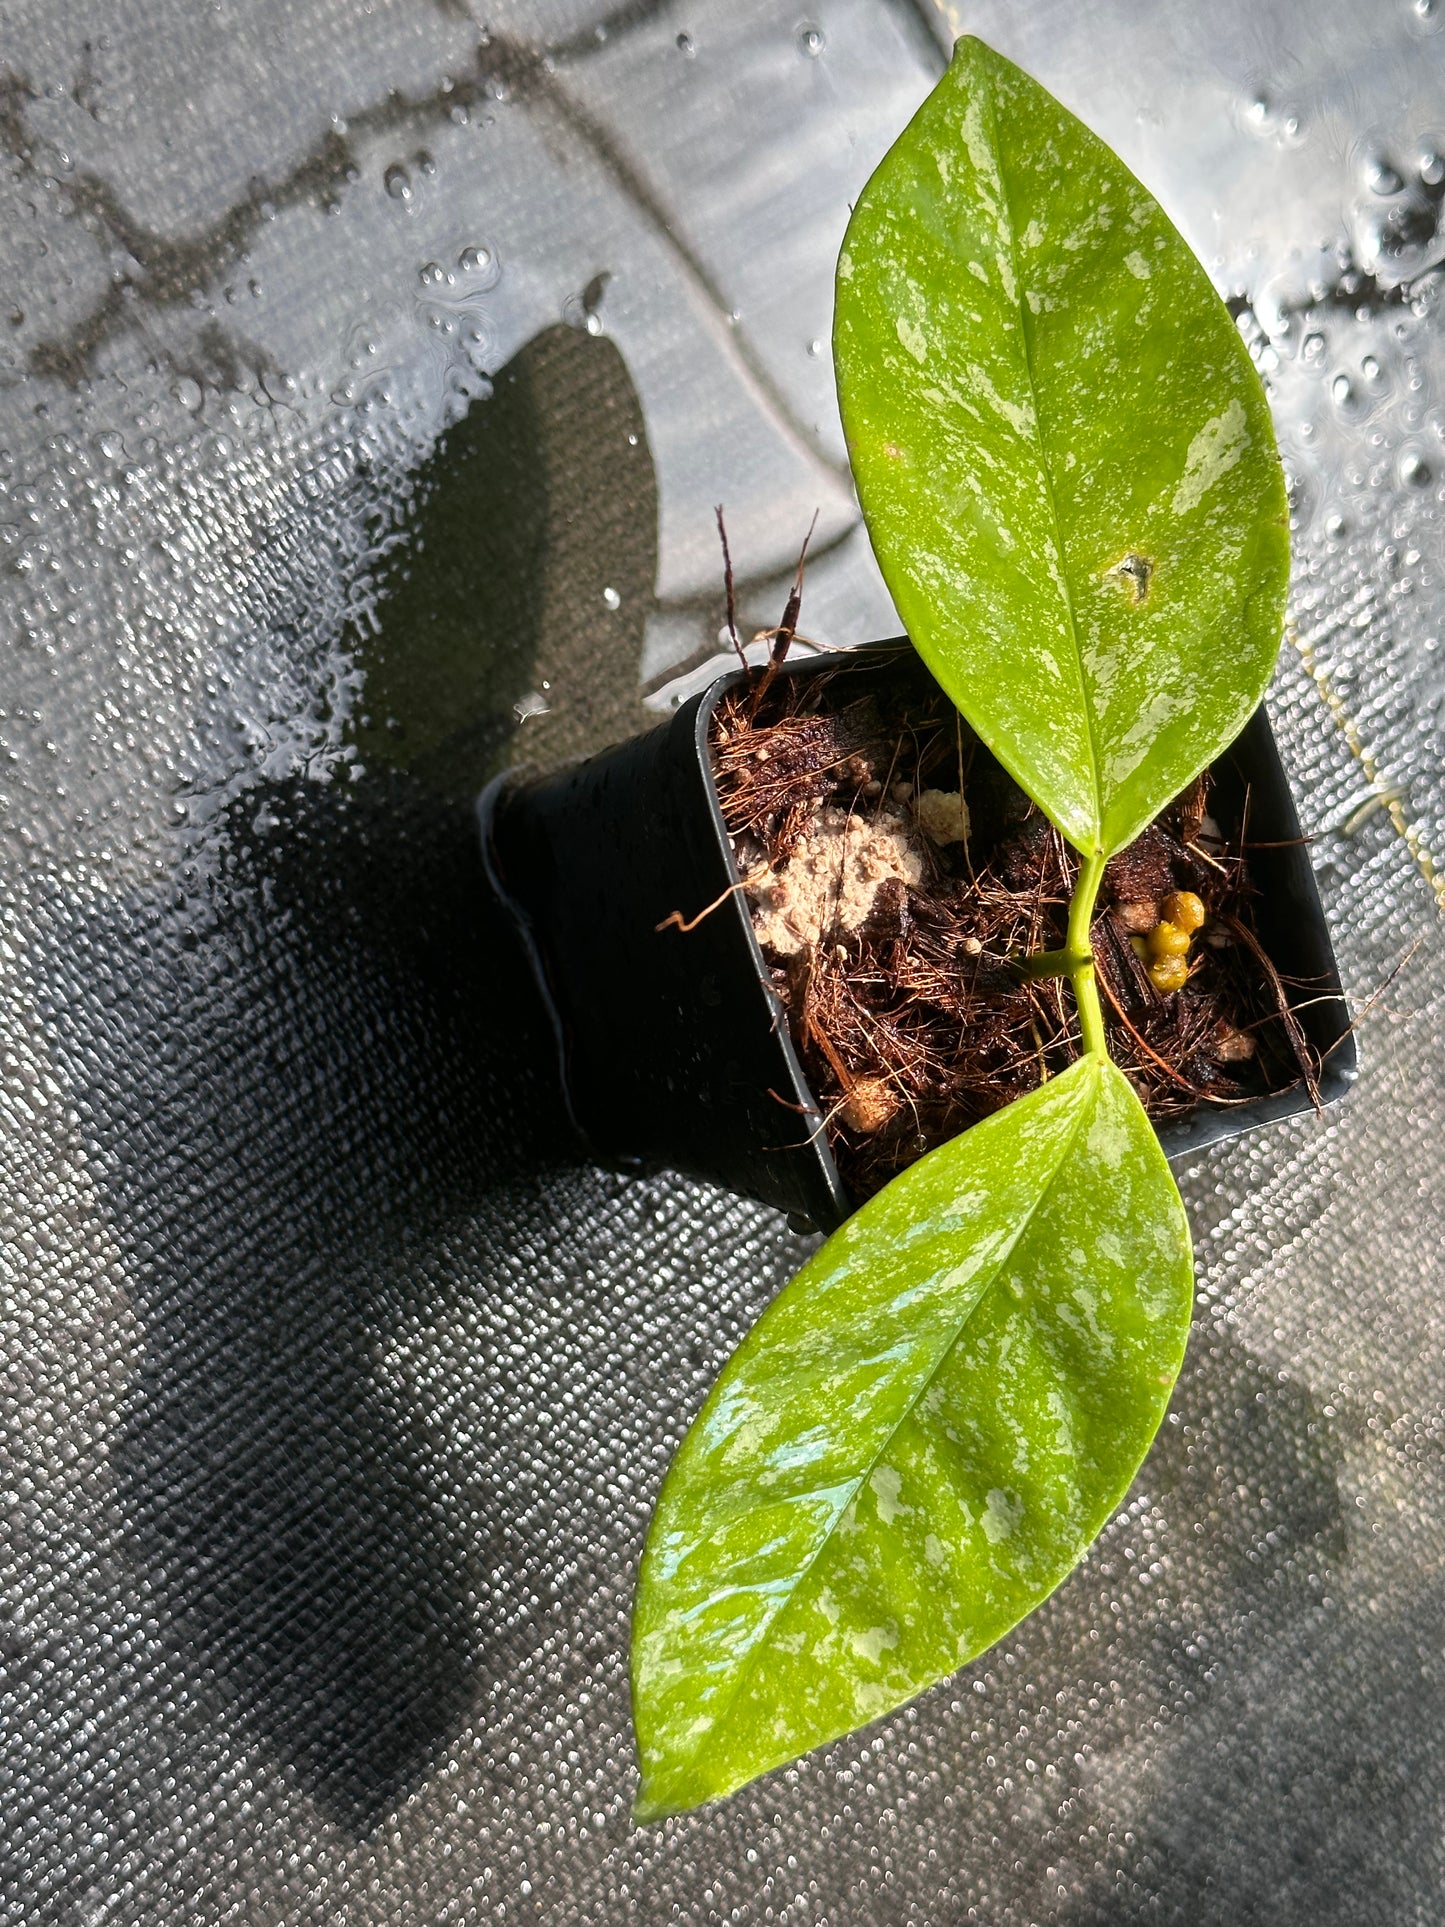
{"x": 1069, "y": 475}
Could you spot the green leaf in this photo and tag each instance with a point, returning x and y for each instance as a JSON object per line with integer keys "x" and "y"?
{"x": 1062, "y": 449}
{"x": 916, "y": 1442}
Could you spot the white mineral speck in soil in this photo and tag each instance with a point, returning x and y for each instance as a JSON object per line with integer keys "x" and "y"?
{"x": 827, "y": 886}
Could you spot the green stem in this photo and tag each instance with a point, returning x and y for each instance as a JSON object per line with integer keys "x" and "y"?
{"x": 1045, "y": 963}
{"x": 1076, "y": 960}
{"x": 1081, "y": 956}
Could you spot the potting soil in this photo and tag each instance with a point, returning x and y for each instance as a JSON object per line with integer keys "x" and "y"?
{"x": 896, "y": 920}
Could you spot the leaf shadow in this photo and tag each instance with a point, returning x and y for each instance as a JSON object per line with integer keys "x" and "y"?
{"x": 1246, "y": 1475}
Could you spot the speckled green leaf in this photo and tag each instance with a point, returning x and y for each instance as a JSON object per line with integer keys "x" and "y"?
{"x": 916, "y": 1442}
{"x": 1062, "y": 450}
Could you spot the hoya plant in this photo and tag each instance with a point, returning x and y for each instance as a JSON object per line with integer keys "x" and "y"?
{"x": 1066, "y": 463}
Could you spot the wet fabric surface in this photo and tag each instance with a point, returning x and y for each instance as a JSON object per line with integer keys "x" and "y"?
{"x": 366, "y": 385}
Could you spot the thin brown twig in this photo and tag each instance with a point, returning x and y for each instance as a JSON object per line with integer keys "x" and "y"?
{"x": 1304, "y": 1057}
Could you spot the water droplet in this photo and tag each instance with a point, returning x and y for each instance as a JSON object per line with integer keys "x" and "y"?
{"x": 1399, "y": 238}
{"x": 815, "y": 347}
{"x": 632, "y": 441}
{"x": 1414, "y": 471}
{"x": 1312, "y": 347}
{"x": 481, "y": 264}
{"x": 425, "y": 162}
{"x": 110, "y": 445}
{"x": 685, "y": 45}
{"x": 433, "y": 275}
{"x": 1432, "y": 168}
{"x": 1370, "y": 369}
{"x": 811, "y": 42}
{"x": 1424, "y": 9}
{"x": 532, "y": 704}
{"x": 397, "y": 182}
{"x": 189, "y": 394}
{"x": 1380, "y": 177}
{"x": 612, "y": 599}
{"x": 477, "y": 344}
{"x": 1342, "y": 391}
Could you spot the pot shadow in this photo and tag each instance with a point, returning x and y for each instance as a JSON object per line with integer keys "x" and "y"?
{"x": 295, "y": 1065}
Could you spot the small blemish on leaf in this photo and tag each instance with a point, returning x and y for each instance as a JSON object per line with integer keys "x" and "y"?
{"x": 1132, "y": 572}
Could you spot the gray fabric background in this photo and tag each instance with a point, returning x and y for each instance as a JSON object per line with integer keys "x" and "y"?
{"x": 333, "y": 1399}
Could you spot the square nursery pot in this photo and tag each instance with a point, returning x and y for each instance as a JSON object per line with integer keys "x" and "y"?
{"x": 675, "y": 1051}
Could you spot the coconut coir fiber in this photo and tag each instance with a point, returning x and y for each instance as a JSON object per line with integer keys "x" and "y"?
{"x": 894, "y": 916}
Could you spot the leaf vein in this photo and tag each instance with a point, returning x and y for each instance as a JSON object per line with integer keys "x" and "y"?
{"x": 1026, "y": 325}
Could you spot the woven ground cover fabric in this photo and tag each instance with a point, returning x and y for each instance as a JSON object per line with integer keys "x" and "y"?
{"x": 368, "y": 375}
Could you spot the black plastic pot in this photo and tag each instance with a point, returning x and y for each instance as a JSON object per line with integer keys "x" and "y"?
{"x": 674, "y": 1047}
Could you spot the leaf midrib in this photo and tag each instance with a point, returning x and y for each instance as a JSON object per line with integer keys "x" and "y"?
{"x": 945, "y": 1353}
{"x": 1026, "y": 329}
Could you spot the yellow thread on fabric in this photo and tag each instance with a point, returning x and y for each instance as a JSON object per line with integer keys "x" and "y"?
{"x": 1404, "y": 828}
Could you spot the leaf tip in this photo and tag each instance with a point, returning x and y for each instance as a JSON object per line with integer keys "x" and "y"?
{"x": 971, "y": 55}
{"x": 646, "y": 1812}
{"x": 651, "y": 1803}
